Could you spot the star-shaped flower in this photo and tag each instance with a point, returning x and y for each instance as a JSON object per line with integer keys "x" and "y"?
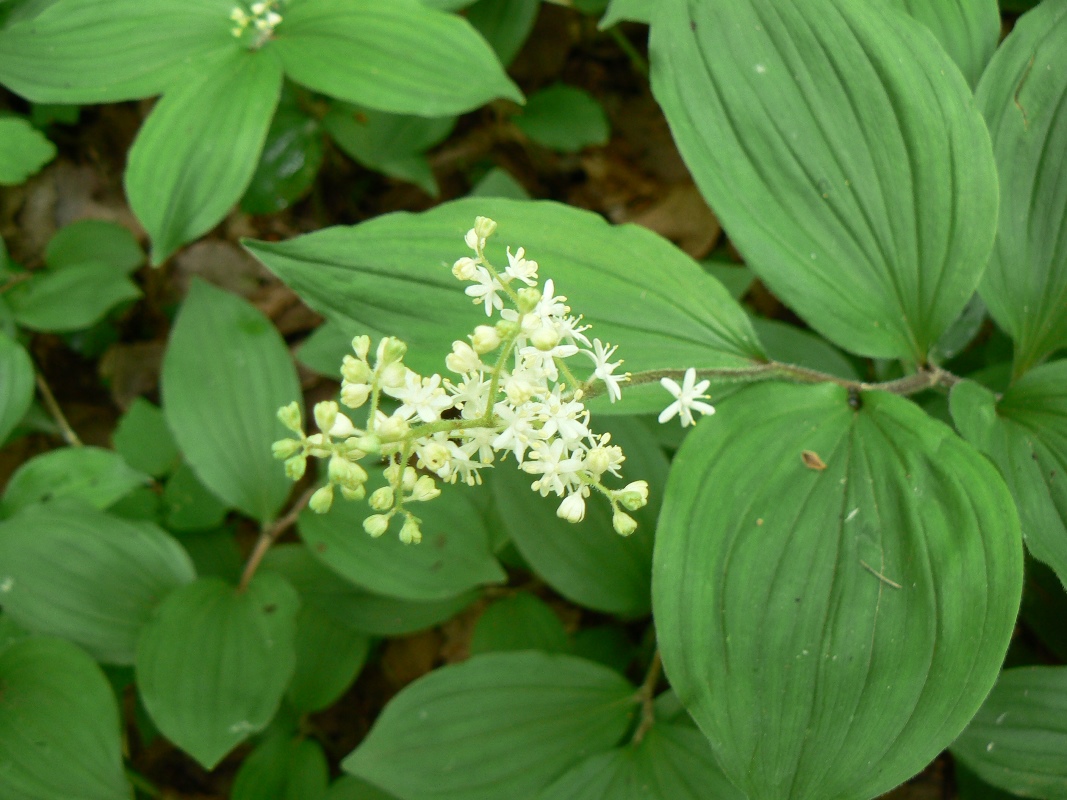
{"x": 687, "y": 397}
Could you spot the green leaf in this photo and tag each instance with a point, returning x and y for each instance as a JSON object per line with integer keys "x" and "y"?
{"x": 505, "y": 24}
{"x": 411, "y": 59}
{"x": 1044, "y": 608}
{"x": 498, "y": 182}
{"x": 832, "y": 628}
{"x": 564, "y": 118}
{"x": 670, "y": 763}
{"x": 23, "y": 150}
{"x": 59, "y": 725}
{"x": 213, "y": 665}
{"x": 393, "y": 144}
{"x": 94, "y": 241}
{"x": 215, "y": 553}
{"x": 71, "y": 298}
{"x": 349, "y": 787}
{"x": 842, "y": 151}
{"x": 16, "y": 376}
{"x": 970, "y": 787}
{"x": 737, "y": 278}
{"x": 90, "y": 474}
{"x": 454, "y": 555}
{"x": 1023, "y": 98}
{"x": 968, "y": 30}
{"x": 225, "y": 375}
{"x": 283, "y": 769}
{"x": 197, "y": 151}
{"x": 188, "y": 504}
{"x": 84, "y": 51}
{"x": 102, "y": 591}
{"x": 289, "y": 163}
{"x": 589, "y": 563}
{"x": 357, "y": 609}
{"x": 792, "y": 345}
{"x": 520, "y": 622}
{"x": 499, "y": 725}
{"x": 144, "y": 441}
{"x": 447, "y": 5}
{"x": 1018, "y": 741}
{"x": 628, "y": 10}
{"x": 329, "y": 656}
{"x": 390, "y": 274}
{"x": 1025, "y": 435}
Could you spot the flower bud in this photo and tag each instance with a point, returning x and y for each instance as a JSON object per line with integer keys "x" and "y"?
{"x": 507, "y": 328}
{"x": 286, "y": 448}
{"x": 342, "y": 427}
{"x": 368, "y": 443}
{"x": 354, "y": 492}
{"x": 394, "y": 375}
{"x": 354, "y": 395}
{"x": 484, "y": 227}
{"x": 393, "y": 473}
{"x": 410, "y": 533}
{"x": 572, "y": 508}
{"x": 321, "y": 501}
{"x": 355, "y": 370}
{"x": 290, "y": 417}
{"x": 295, "y": 467}
{"x": 463, "y": 359}
{"x": 623, "y": 523}
{"x": 434, "y": 456}
{"x": 633, "y": 495}
{"x": 381, "y": 499}
{"x": 528, "y": 299}
{"x": 319, "y": 446}
{"x": 361, "y": 346}
{"x": 392, "y": 429}
{"x": 424, "y": 489}
{"x": 545, "y": 338}
{"x": 465, "y": 269}
{"x": 325, "y": 415}
{"x": 344, "y": 472}
{"x": 485, "y": 339}
{"x": 410, "y": 478}
{"x": 376, "y": 524}
{"x": 390, "y": 350}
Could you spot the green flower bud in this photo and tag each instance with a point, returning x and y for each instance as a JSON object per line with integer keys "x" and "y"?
{"x": 381, "y": 499}
{"x": 368, "y": 443}
{"x": 321, "y": 501}
{"x": 623, "y": 523}
{"x": 295, "y": 467}
{"x": 544, "y": 338}
{"x": 355, "y": 370}
{"x": 354, "y": 395}
{"x": 353, "y": 492}
{"x": 507, "y": 328}
{"x": 394, "y": 375}
{"x": 325, "y": 415}
{"x": 633, "y": 495}
{"x": 410, "y": 533}
{"x": 390, "y": 351}
{"x": 376, "y": 524}
{"x": 291, "y": 417}
{"x": 424, "y": 489}
{"x": 361, "y": 346}
{"x": 409, "y": 479}
{"x": 286, "y": 448}
{"x": 529, "y": 296}
{"x": 486, "y": 339}
{"x": 484, "y": 227}
{"x": 319, "y": 446}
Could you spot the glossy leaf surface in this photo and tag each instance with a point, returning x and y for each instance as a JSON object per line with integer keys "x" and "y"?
{"x": 834, "y": 613}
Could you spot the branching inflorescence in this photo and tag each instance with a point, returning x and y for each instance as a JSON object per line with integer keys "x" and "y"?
{"x": 516, "y": 393}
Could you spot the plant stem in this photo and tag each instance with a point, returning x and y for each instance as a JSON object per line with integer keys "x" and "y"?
{"x": 637, "y": 61}
{"x": 268, "y": 536}
{"x": 69, "y": 436}
{"x": 647, "y": 695}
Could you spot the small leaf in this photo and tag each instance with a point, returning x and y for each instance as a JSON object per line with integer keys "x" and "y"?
{"x": 188, "y": 504}
{"x": 197, "y": 151}
{"x": 1018, "y": 740}
{"x": 505, "y": 24}
{"x": 281, "y": 768}
{"x": 968, "y": 30}
{"x": 454, "y": 555}
{"x": 144, "y": 441}
{"x": 329, "y": 656}
{"x": 1023, "y": 95}
{"x": 103, "y": 589}
{"x": 413, "y": 59}
{"x": 59, "y": 725}
{"x": 841, "y": 149}
{"x": 69, "y": 299}
{"x": 499, "y": 182}
{"x": 1025, "y": 434}
{"x": 94, "y": 241}
{"x": 23, "y": 150}
{"x": 90, "y": 474}
{"x": 84, "y": 51}
{"x": 213, "y": 665}
{"x": 521, "y": 622}
{"x": 16, "y": 376}
{"x": 564, "y": 118}
{"x": 831, "y": 631}
{"x": 499, "y": 725}
{"x": 225, "y": 375}
{"x": 289, "y": 163}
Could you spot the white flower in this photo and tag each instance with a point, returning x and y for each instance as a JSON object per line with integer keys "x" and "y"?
{"x": 603, "y": 368}
{"x": 688, "y": 396}
{"x": 465, "y": 269}
{"x": 566, "y": 419}
{"x": 558, "y": 467}
{"x": 422, "y": 397}
{"x": 572, "y": 508}
{"x": 463, "y": 359}
{"x": 520, "y": 268}
{"x": 486, "y": 290}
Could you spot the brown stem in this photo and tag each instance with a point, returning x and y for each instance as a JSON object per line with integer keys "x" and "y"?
{"x": 647, "y": 696}
{"x": 268, "y": 536}
{"x": 69, "y": 436}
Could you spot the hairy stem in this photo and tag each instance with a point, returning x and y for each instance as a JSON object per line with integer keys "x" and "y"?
{"x": 268, "y": 536}
{"x": 647, "y": 695}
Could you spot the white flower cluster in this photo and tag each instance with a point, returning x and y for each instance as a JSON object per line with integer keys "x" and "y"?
{"x": 261, "y": 16}
{"x": 515, "y": 394}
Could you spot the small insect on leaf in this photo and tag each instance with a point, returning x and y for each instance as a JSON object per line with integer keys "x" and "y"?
{"x": 812, "y": 461}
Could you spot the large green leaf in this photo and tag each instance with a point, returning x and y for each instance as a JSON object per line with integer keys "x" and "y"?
{"x": 398, "y": 56}
{"x": 1024, "y": 97}
{"x": 505, "y": 24}
{"x": 454, "y": 555}
{"x": 842, "y": 151}
{"x": 391, "y": 275}
{"x": 102, "y": 590}
{"x": 85, "y": 51}
{"x": 23, "y": 150}
{"x": 16, "y": 376}
{"x": 588, "y": 562}
{"x": 329, "y": 656}
{"x": 94, "y": 241}
{"x": 283, "y": 769}
{"x": 1018, "y": 741}
{"x": 670, "y": 763}
{"x": 198, "y": 149}
{"x": 499, "y": 725}
{"x": 225, "y": 375}
{"x": 71, "y": 298}
{"x": 1025, "y": 434}
{"x": 59, "y": 725}
{"x": 144, "y": 441}
{"x": 519, "y": 622}
{"x": 968, "y": 29}
{"x": 834, "y": 589}
{"x": 213, "y": 664}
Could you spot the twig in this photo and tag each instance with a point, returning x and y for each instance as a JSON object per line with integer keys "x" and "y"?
{"x": 268, "y": 536}
{"x": 647, "y": 695}
{"x": 69, "y": 436}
